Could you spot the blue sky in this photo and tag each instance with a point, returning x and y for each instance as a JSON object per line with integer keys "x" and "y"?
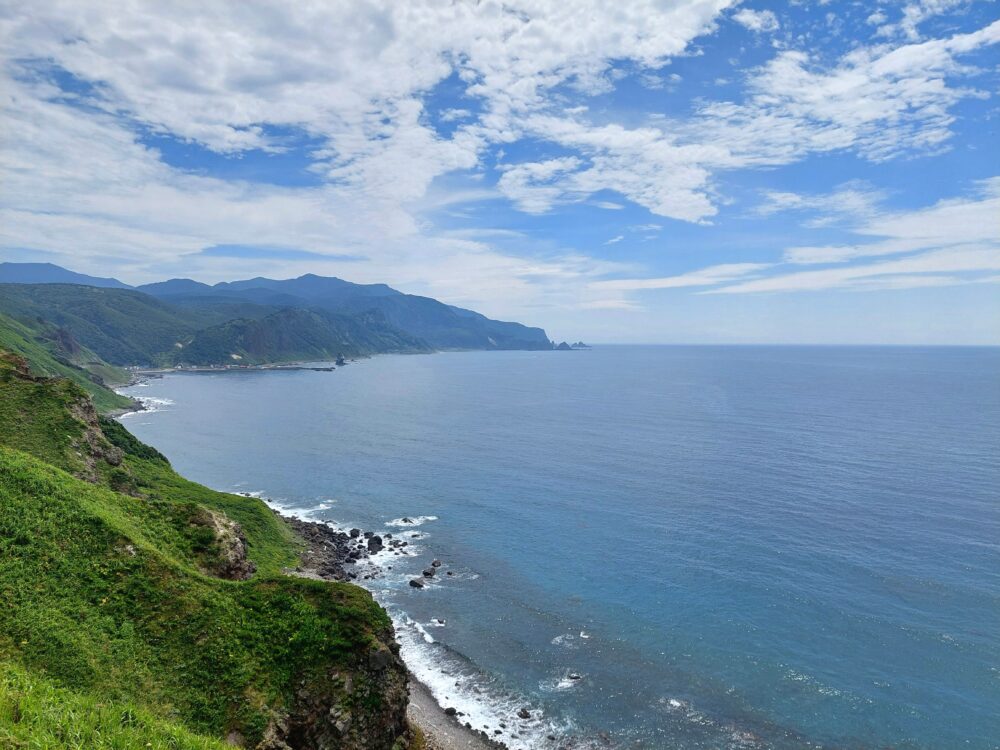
{"x": 687, "y": 171}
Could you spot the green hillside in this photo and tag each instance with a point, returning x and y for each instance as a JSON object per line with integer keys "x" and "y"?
{"x": 35, "y": 714}
{"x": 140, "y": 605}
{"x": 54, "y": 353}
{"x": 291, "y": 335}
{"x": 128, "y": 327}
{"x": 122, "y": 326}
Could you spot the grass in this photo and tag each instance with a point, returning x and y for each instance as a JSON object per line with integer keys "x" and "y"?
{"x": 100, "y": 594}
{"x": 108, "y": 604}
{"x": 37, "y": 715}
{"x": 41, "y": 348}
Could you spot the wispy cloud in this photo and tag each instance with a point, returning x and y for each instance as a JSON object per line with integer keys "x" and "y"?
{"x": 703, "y": 277}
{"x": 904, "y": 273}
{"x": 257, "y": 252}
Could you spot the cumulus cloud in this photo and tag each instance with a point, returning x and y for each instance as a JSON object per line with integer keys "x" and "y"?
{"x": 880, "y": 103}
{"x": 757, "y": 20}
{"x": 88, "y": 86}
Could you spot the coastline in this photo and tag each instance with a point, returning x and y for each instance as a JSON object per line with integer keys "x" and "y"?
{"x": 441, "y": 731}
{"x": 330, "y": 555}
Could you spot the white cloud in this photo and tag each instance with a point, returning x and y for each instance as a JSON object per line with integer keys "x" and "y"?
{"x": 954, "y": 241}
{"x": 710, "y": 276}
{"x": 450, "y": 115}
{"x": 358, "y": 79}
{"x": 903, "y": 273}
{"x": 956, "y": 221}
{"x": 616, "y": 239}
{"x": 880, "y": 103}
{"x": 82, "y": 188}
{"x": 915, "y": 13}
{"x": 758, "y": 21}
{"x": 852, "y": 201}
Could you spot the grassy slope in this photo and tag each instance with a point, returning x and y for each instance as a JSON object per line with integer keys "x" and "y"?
{"x": 32, "y": 343}
{"x": 127, "y": 327}
{"x": 122, "y": 326}
{"x": 105, "y": 596}
{"x": 37, "y": 715}
{"x": 296, "y": 335}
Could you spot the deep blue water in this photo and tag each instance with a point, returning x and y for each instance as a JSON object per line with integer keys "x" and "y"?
{"x": 767, "y": 546}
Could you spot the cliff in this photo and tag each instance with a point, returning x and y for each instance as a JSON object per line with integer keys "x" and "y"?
{"x": 139, "y": 605}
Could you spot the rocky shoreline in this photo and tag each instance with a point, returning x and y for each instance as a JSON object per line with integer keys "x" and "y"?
{"x": 332, "y": 555}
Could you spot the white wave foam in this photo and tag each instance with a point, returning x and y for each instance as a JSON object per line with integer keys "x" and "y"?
{"x": 451, "y": 679}
{"x": 565, "y": 681}
{"x": 410, "y": 521}
{"x": 479, "y": 700}
{"x": 150, "y": 404}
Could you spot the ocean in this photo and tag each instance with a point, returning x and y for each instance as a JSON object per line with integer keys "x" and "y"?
{"x": 652, "y": 547}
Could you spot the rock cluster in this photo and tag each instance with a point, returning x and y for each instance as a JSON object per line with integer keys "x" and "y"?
{"x": 328, "y": 550}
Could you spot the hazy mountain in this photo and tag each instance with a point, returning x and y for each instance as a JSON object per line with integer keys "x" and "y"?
{"x": 194, "y": 306}
{"x": 48, "y": 273}
{"x": 440, "y": 325}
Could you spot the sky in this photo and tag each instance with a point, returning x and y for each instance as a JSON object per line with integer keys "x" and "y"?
{"x": 655, "y": 171}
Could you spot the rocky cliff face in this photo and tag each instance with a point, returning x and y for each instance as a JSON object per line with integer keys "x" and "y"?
{"x": 363, "y": 708}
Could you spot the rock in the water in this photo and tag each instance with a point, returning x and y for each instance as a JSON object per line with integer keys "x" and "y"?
{"x": 436, "y": 563}
{"x": 374, "y": 544}
{"x": 428, "y": 572}
{"x": 575, "y": 676}
{"x": 450, "y": 711}
{"x": 416, "y": 583}
{"x": 524, "y": 714}
{"x": 355, "y": 533}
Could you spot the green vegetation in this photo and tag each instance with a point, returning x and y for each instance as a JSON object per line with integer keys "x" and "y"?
{"x": 36, "y": 715}
{"x": 116, "y": 628}
{"x": 122, "y": 326}
{"x": 127, "y": 327}
{"x": 295, "y": 335}
{"x": 53, "y": 352}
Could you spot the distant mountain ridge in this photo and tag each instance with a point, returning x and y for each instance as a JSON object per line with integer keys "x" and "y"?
{"x": 49, "y": 273}
{"x": 441, "y": 326}
{"x": 250, "y": 321}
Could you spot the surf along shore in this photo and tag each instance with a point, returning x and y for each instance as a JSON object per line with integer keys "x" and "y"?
{"x": 334, "y": 555}
{"x": 338, "y": 555}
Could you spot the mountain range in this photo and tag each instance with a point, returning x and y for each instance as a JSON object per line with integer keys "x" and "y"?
{"x": 252, "y": 321}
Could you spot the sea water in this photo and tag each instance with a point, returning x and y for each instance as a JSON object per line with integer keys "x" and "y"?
{"x": 653, "y": 547}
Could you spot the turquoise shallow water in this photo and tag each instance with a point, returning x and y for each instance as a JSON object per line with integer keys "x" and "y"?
{"x": 730, "y": 546}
